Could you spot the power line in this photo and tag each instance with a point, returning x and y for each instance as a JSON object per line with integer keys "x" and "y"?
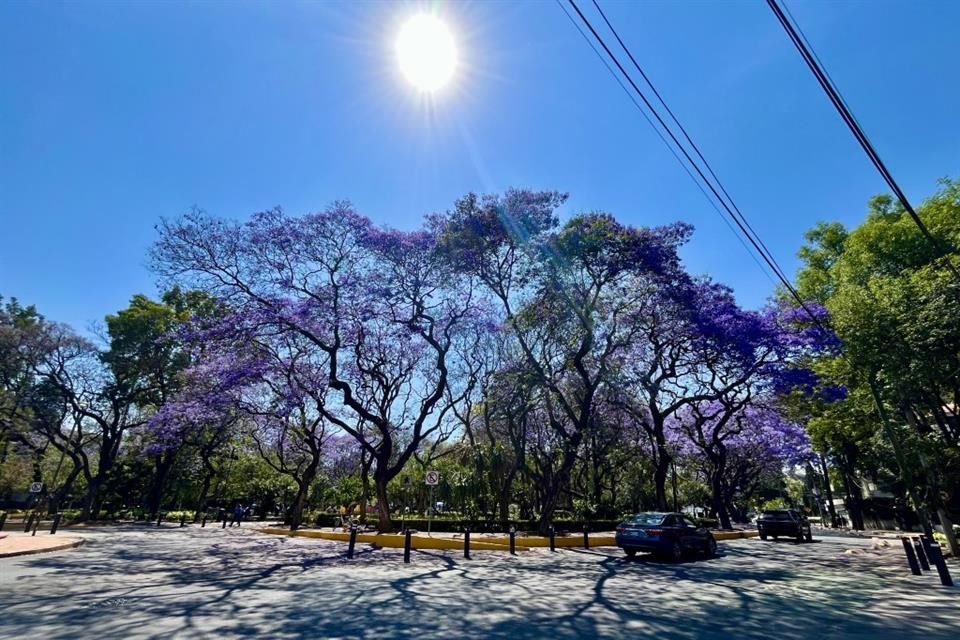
{"x": 660, "y": 135}
{"x": 689, "y": 140}
{"x": 806, "y": 52}
{"x": 696, "y": 167}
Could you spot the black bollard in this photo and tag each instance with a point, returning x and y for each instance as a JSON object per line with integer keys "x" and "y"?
{"x": 513, "y": 541}
{"x": 921, "y": 555}
{"x": 183, "y": 521}
{"x": 466, "y": 543}
{"x": 553, "y": 541}
{"x": 586, "y": 537}
{"x": 29, "y": 523}
{"x": 36, "y": 524}
{"x": 203, "y": 523}
{"x": 159, "y": 518}
{"x": 352, "y": 543}
{"x": 56, "y": 523}
{"x": 936, "y": 556}
{"x": 406, "y": 547}
{"x": 3, "y": 519}
{"x": 911, "y": 556}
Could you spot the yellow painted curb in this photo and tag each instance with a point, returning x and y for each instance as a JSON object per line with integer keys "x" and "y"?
{"x": 396, "y": 541}
{"x": 734, "y": 535}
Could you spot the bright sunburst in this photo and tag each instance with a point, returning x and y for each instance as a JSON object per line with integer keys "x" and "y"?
{"x": 426, "y": 52}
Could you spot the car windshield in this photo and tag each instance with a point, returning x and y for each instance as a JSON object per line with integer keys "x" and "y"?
{"x": 648, "y": 518}
{"x": 777, "y": 515}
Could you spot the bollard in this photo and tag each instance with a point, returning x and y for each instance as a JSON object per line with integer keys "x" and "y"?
{"x": 224, "y": 521}
{"x": 29, "y": 523}
{"x": 466, "y": 543}
{"x": 56, "y": 523}
{"x": 936, "y": 556}
{"x": 3, "y": 519}
{"x": 352, "y": 543}
{"x": 586, "y": 538}
{"x": 203, "y": 523}
{"x": 921, "y": 555}
{"x": 159, "y": 518}
{"x": 513, "y": 541}
{"x": 911, "y": 556}
{"x": 553, "y": 541}
{"x": 36, "y": 524}
{"x": 406, "y": 547}
{"x": 183, "y": 521}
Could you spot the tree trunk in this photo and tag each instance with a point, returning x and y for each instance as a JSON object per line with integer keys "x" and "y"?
{"x": 718, "y": 501}
{"x": 162, "y": 465}
{"x": 947, "y": 525}
{"x": 364, "y": 485}
{"x": 828, "y": 492}
{"x": 660, "y": 475}
{"x": 91, "y": 506}
{"x": 56, "y": 498}
{"x": 383, "y": 502}
{"x": 551, "y": 495}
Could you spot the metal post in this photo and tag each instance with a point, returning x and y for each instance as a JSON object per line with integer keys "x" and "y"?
{"x": 466, "y": 543}
{"x": 183, "y": 521}
{"x": 203, "y": 523}
{"x": 352, "y": 543}
{"x": 553, "y": 534}
{"x": 159, "y": 518}
{"x": 56, "y": 523}
{"x": 513, "y": 541}
{"x": 36, "y": 525}
{"x": 224, "y": 521}
{"x": 941, "y": 564}
{"x": 3, "y": 519}
{"x": 921, "y": 556}
{"x": 911, "y": 556}
{"x": 29, "y": 523}
{"x": 430, "y": 511}
{"x": 586, "y": 537}
{"x": 406, "y": 547}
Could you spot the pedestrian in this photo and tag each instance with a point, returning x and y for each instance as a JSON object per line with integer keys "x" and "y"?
{"x": 237, "y": 514}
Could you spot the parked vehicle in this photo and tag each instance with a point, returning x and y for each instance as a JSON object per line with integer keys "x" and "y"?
{"x": 669, "y": 535}
{"x": 786, "y": 523}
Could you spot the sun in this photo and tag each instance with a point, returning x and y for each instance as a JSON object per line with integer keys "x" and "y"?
{"x": 426, "y": 52}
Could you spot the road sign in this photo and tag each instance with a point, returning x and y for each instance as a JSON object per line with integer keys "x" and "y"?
{"x": 432, "y": 478}
{"x": 36, "y": 487}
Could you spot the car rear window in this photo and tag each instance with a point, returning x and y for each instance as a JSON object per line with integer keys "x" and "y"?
{"x": 777, "y": 515}
{"x": 648, "y": 518}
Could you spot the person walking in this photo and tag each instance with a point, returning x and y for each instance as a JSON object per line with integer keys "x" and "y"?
{"x": 237, "y": 514}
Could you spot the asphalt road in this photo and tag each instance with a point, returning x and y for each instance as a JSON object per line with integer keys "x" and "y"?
{"x": 215, "y": 583}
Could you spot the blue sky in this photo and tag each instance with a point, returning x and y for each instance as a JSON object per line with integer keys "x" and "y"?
{"x": 115, "y": 114}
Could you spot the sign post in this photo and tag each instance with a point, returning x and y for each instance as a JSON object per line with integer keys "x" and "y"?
{"x": 432, "y": 479}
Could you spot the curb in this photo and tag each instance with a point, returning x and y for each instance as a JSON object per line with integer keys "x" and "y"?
{"x": 29, "y": 552}
{"x": 396, "y": 541}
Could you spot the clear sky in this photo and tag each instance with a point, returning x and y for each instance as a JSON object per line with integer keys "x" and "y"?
{"x": 114, "y": 114}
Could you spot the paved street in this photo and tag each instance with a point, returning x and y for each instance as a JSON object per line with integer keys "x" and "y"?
{"x": 215, "y": 583}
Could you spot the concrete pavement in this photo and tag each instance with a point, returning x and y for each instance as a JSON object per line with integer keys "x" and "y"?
{"x": 140, "y": 582}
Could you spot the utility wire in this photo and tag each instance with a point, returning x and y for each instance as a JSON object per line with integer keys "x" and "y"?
{"x": 778, "y": 270}
{"x": 806, "y": 52}
{"x": 660, "y": 135}
{"x": 696, "y": 167}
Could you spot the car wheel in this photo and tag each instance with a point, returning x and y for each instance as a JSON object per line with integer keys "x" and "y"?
{"x": 630, "y": 552}
{"x": 676, "y": 552}
{"x": 711, "y": 548}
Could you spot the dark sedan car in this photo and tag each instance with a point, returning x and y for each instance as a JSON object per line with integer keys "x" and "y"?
{"x": 670, "y": 535}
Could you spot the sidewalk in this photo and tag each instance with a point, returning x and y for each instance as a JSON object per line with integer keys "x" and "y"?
{"x": 20, "y": 544}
